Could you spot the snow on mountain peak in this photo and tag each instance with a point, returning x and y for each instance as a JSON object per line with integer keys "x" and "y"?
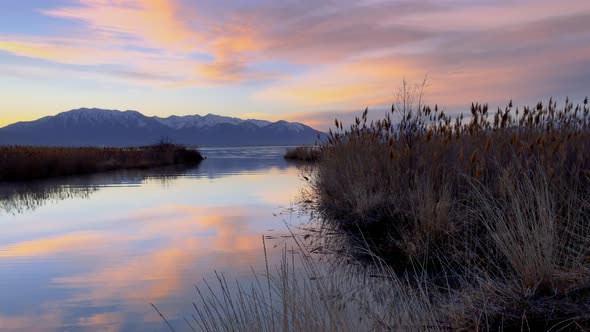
{"x": 209, "y": 120}
{"x": 97, "y": 127}
{"x": 96, "y": 116}
{"x": 100, "y": 116}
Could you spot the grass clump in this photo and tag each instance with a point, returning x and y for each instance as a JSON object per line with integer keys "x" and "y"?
{"x": 306, "y": 294}
{"x": 303, "y": 153}
{"x": 18, "y": 163}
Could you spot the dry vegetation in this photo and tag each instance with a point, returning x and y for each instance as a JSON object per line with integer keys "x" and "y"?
{"x": 497, "y": 205}
{"x": 311, "y": 296}
{"x": 303, "y": 153}
{"x": 27, "y": 162}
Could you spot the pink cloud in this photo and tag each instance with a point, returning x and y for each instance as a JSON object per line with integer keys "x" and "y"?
{"x": 152, "y": 23}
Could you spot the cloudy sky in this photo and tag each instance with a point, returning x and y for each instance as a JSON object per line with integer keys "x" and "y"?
{"x": 301, "y": 60}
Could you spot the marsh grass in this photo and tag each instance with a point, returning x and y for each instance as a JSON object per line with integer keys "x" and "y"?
{"x": 497, "y": 202}
{"x": 303, "y": 153}
{"x": 26, "y": 162}
{"x": 304, "y": 293}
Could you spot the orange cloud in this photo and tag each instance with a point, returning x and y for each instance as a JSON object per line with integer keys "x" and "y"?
{"x": 156, "y": 23}
{"x": 64, "y": 51}
{"x": 114, "y": 30}
{"x": 346, "y": 84}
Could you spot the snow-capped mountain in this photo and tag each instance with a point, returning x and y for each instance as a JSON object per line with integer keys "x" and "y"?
{"x": 84, "y": 127}
{"x": 209, "y": 120}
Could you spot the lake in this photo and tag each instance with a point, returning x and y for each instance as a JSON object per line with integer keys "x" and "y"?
{"x": 90, "y": 253}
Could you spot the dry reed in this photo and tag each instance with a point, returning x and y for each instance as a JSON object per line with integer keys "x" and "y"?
{"x": 26, "y": 162}
{"x": 497, "y": 200}
{"x": 303, "y": 153}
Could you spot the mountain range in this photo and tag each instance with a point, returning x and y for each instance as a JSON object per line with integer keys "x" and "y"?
{"x": 99, "y": 127}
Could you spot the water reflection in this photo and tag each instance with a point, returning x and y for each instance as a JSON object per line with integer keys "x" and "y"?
{"x": 95, "y": 259}
{"x": 20, "y": 197}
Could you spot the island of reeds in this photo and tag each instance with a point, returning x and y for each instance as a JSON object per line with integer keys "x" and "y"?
{"x": 467, "y": 223}
{"x": 19, "y": 163}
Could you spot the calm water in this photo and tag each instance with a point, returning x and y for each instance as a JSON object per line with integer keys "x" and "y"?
{"x": 91, "y": 253}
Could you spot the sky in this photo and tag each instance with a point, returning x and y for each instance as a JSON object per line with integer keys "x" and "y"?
{"x": 307, "y": 60}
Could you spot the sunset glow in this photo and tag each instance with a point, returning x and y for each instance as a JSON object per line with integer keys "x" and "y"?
{"x": 299, "y": 61}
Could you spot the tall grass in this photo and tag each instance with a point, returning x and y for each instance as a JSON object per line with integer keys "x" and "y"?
{"x": 497, "y": 200}
{"x": 27, "y": 162}
{"x": 303, "y": 153}
{"x": 304, "y": 294}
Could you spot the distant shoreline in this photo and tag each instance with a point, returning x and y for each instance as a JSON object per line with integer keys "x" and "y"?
{"x": 24, "y": 163}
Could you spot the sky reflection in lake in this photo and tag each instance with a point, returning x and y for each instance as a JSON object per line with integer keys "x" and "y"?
{"x": 96, "y": 260}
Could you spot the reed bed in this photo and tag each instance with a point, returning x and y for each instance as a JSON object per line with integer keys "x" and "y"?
{"x": 497, "y": 202}
{"x": 18, "y": 163}
{"x": 303, "y": 153}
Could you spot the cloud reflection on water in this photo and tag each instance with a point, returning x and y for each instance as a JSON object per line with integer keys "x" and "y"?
{"x": 97, "y": 263}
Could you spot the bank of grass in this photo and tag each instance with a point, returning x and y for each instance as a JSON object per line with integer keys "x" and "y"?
{"x": 303, "y": 153}
{"x": 18, "y": 163}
